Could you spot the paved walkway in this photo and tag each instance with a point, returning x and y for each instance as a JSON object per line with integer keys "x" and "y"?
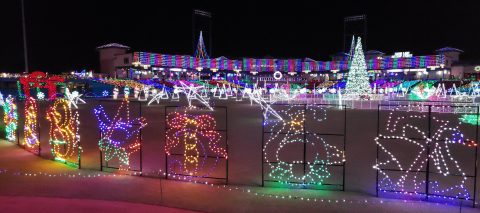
{"x": 28, "y": 182}
{"x": 21, "y": 204}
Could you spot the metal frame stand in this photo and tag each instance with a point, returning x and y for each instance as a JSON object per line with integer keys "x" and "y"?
{"x": 427, "y": 171}
{"x": 139, "y": 137}
{"x": 167, "y": 172}
{"x": 305, "y": 134}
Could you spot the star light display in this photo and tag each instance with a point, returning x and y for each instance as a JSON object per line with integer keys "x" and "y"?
{"x": 73, "y": 98}
{"x": 10, "y": 118}
{"x": 196, "y": 135}
{"x": 64, "y": 126}
{"x": 30, "y": 131}
{"x": 400, "y": 128}
{"x": 117, "y": 133}
{"x": 358, "y": 85}
{"x": 191, "y": 92}
{"x": 291, "y": 131}
{"x": 157, "y": 96}
{"x": 257, "y": 97}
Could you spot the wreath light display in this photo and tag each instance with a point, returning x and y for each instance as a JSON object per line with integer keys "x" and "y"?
{"x": 189, "y": 132}
{"x": 64, "y": 126}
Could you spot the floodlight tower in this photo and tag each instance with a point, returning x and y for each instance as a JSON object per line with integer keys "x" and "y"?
{"x": 354, "y": 26}
{"x": 202, "y": 26}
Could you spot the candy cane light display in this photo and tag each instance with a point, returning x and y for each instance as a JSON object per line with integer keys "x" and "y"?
{"x": 10, "y": 118}
{"x": 30, "y": 131}
{"x": 64, "y": 125}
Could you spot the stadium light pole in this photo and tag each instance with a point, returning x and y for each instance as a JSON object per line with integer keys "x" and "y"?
{"x": 25, "y": 53}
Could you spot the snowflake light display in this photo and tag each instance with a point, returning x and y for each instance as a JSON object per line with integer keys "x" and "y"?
{"x": 10, "y": 118}
{"x": 64, "y": 125}
{"x": 30, "y": 130}
{"x": 189, "y": 132}
{"x": 105, "y": 93}
{"x": 290, "y": 131}
{"x": 436, "y": 148}
{"x": 111, "y": 144}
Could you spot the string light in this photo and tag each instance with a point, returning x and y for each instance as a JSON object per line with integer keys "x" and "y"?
{"x": 64, "y": 126}
{"x": 439, "y": 144}
{"x": 121, "y": 122}
{"x": 191, "y": 130}
{"x": 38, "y": 80}
{"x": 291, "y": 131}
{"x": 30, "y": 130}
{"x": 10, "y": 118}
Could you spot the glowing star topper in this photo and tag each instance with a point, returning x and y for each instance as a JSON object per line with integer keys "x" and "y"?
{"x": 121, "y": 124}
{"x": 64, "y": 123}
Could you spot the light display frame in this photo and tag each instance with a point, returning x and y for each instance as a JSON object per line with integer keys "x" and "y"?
{"x": 64, "y": 129}
{"x": 189, "y": 177}
{"x": 140, "y": 124}
{"x": 31, "y": 127}
{"x": 10, "y": 119}
{"x": 429, "y": 163}
{"x": 304, "y": 134}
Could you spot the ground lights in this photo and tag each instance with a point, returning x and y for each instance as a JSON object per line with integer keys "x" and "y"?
{"x": 120, "y": 146}
{"x": 10, "y": 118}
{"x": 64, "y": 126}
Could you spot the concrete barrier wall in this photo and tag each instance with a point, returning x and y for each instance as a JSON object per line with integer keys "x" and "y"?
{"x": 244, "y": 140}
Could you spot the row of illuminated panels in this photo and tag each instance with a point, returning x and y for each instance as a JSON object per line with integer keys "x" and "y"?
{"x": 285, "y": 65}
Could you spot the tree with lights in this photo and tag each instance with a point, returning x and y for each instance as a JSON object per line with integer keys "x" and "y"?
{"x": 358, "y": 85}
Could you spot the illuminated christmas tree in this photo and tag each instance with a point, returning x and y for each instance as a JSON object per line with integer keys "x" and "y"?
{"x": 201, "y": 51}
{"x": 357, "y": 82}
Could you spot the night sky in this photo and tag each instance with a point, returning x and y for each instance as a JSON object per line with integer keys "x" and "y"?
{"x": 62, "y": 35}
